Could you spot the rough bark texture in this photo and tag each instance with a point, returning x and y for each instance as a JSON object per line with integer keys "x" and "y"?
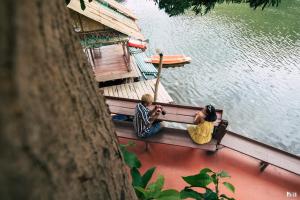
{"x": 57, "y": 140}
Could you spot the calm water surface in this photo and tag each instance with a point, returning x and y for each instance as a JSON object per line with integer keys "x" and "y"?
{"x": 243, "y": 61}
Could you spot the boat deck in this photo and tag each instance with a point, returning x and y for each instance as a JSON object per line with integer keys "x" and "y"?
{"x": 110, "y": 64}
{"x": 135, "y": 90}
{"x": 249, "y": 182}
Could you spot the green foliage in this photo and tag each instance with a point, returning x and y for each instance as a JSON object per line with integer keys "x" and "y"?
{"x": 148, "y": 191}
{"x": 189, "y": 193}
{"x": 229, "y": 186}
{"x": 130, "y": 158}
{"x": 176, "y": 7}
{"x": 198, "y": 180}
{"x": 154, "y": 191}
{"x": 223, "y": 174}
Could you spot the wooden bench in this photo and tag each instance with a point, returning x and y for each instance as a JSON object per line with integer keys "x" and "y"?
{"x": 174, "y": 113}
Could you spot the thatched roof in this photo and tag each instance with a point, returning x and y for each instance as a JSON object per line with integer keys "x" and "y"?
{"x": 105, "y": 15}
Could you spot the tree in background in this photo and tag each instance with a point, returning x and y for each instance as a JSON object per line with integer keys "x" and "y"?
{"x": 176, "y": 7}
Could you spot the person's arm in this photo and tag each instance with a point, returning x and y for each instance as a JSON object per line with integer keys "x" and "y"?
{"x": 153, "y": 117}
{"x": 153, "y": 111}
{"x": 199, "y": 118}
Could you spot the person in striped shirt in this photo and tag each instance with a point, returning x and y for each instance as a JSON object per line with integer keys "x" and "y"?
{"x": 144, "y": 119}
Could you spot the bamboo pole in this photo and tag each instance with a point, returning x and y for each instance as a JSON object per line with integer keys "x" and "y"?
{"x": 158, "y": 76}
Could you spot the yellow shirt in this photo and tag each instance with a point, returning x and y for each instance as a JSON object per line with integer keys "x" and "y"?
{"x": 201, "y": 133}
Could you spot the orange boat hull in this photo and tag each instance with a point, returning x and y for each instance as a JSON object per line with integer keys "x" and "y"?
{"x": 170, "y": 59}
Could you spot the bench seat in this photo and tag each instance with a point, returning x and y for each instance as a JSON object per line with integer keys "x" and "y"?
{"x": 170, "y": 136}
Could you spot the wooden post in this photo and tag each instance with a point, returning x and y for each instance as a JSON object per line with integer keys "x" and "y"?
{"x": 128, "y": 59}
{"x": 158, "y": 76}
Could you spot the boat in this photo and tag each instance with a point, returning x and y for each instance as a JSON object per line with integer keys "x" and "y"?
{"x": 137, "y": 44}
{"x": 169, "y": 59}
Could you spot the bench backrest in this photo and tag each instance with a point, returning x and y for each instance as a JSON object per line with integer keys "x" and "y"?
{"x": 174, "y": 113}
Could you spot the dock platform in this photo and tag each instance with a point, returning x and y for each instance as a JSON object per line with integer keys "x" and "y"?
{"x": 135, "y": 90}
{"x": 109, "y": 64}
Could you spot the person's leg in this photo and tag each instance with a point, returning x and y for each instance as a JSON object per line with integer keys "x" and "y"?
{"x": 154, "y": 129}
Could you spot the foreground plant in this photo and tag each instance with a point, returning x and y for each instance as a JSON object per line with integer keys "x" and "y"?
{"x": 203, "y": 179}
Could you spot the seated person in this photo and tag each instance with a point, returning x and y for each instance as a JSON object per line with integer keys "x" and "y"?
{"x": 144, "y": 119}
{"x": 202, "y": 132}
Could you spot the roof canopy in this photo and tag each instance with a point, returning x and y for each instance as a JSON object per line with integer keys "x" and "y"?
{"x": 122, "y": 9}
{"x": 109, "y": 17}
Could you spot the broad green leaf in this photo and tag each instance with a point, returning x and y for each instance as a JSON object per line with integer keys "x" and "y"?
{"x": 147, "y": 176}
{"x": 229, "y": 186}
{"x": 226, "y": 197}
{"x": 141, "y": 193}
{"x": 169, "y": 195}
{"x": 199, "y": 180}
{"x": 129, "y": 144}
{"x": 189, "y": 193}
{"x": 156, "y": 187}
{"x": 214, "y": 178}
{"x": 223, "y": 174}
{"x": 210, "y": 195}
{"x": 205, "y": 170}
{"x": 130, "y": 158}
{"x": 136, "y": 177}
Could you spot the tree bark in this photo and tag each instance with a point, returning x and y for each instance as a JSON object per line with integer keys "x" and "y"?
{"x": 57, "y": 140}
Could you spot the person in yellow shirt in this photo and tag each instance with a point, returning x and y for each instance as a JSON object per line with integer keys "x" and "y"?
{"x": 201, "y": 133}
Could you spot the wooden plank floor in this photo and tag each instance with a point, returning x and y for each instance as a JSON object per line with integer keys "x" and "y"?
{"x": 137, "y": 89}
{"x": 111, "y": 65}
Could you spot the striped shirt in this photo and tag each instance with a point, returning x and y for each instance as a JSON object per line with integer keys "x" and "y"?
{"x": 141, "y": 121}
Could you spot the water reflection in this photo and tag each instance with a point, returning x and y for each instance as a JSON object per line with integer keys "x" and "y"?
{"x": 243, "y": 61}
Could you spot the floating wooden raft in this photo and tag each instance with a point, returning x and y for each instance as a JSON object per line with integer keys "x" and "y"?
{"x": 137, "y": 89}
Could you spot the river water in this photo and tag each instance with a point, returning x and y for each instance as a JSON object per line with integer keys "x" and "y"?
{"x": 243, "y": 61}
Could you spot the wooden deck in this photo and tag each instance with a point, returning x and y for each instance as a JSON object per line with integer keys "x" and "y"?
{"x": 137, "y": 89}
{"x": 111, "y": 65}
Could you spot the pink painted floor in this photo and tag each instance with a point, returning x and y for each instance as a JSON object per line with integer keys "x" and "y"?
{"x": 173, "y": 162}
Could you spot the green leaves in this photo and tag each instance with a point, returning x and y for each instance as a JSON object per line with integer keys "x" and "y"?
{"x": 205, "y": 170}
{"x": 136, "y": 177}
{"x": 210, "y": 195}
{"x": 169, "y": 195}
{"x": 223, "y": 196}
{"x": 156, "y": 187}
{"x": 223, "y": 174}
{"x": 147, "y": 176}
{"x": 189, "y": 193}
{"x": 198, "y": 180}
{"x": 229, "y": 186}
{"x": 154, "y": 191}
{"x": 130, "y": 158}
{"x": 173, "y": 8}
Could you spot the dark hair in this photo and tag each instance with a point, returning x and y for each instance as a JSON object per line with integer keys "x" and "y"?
{"x": 211, "y": 115}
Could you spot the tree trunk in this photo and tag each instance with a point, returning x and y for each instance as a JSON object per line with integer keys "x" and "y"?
{"x": 57, "y": 140}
